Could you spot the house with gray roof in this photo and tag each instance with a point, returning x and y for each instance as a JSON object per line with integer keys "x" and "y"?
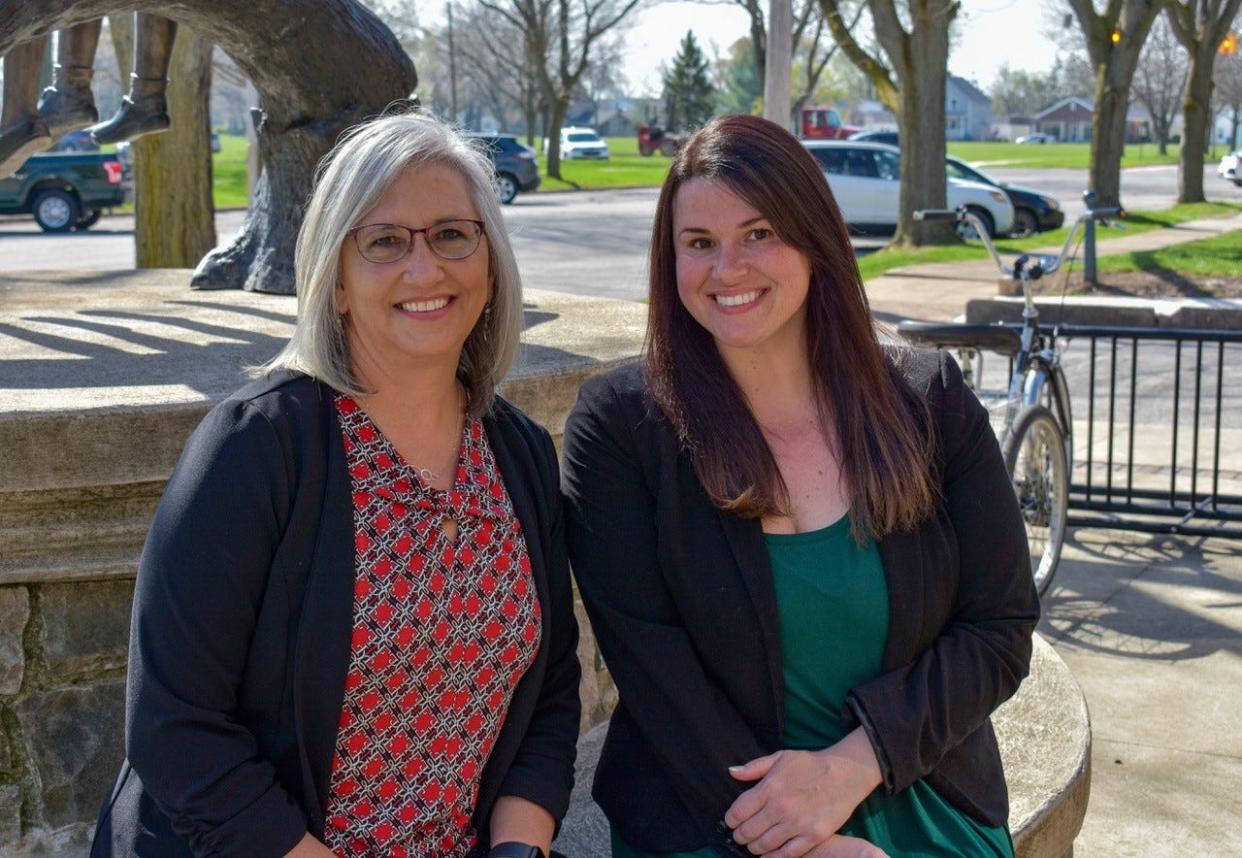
{"x": 967, "y": 111}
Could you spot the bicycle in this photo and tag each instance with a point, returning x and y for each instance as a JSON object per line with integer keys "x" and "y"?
{"x": 1036, "y": 436}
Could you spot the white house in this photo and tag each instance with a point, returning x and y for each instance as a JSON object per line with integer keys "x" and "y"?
{"x": 967, "y": 111}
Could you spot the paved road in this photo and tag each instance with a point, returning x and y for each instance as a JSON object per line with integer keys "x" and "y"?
{"x": 591, "y": 243}
{"x": 1142, "y": 188}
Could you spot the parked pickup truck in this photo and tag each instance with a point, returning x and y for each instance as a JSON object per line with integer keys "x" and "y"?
{"x": 64, "y": 190}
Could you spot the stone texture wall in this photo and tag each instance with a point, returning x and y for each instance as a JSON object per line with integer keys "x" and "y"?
{"x": 68, "y": 559}
{"x": 62, "y": 702}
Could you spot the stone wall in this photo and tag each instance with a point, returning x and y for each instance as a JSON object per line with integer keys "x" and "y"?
{"x": 85, "y": 450}
{"x": 92, "y": 418}
{"x": 62, "y": 702}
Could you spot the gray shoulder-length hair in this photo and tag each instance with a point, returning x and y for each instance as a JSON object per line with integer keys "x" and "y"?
{"x": 349, "y": 182}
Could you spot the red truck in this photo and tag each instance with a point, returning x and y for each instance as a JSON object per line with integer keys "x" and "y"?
{"x": 823, "y": 123}
{"x": 653, "y": 138}
{"x": 815, "y": 123}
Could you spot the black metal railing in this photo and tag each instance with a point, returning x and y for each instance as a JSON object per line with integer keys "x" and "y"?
{"x": 1157, "y": 403}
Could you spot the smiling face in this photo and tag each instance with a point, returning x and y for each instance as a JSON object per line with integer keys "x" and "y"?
{"x": 735, "y": 276}
{"x": 418, "y": 310}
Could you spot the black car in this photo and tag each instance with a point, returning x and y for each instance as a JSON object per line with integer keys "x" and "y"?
{"x": 889, "y": 137}
{"x": 1032, "y": 211}
{"x": 516, "y": 166}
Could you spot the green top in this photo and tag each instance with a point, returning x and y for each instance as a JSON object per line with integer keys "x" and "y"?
{"x": 824, "y": 575}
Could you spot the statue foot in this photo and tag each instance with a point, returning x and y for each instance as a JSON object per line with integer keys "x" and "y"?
{"x": 67, "y": 109}
{"x": 28, "y": 136}
{"x": 138, "y": 116}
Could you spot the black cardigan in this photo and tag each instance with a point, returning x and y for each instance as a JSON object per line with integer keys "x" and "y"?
{"x": 681, "y": 599}
{"x": 241, "y": 634}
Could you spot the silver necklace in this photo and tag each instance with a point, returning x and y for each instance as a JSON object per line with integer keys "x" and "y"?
{"x": 429, "y": 476}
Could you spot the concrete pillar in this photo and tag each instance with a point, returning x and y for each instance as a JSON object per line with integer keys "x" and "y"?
{"x": 779, "y": 65}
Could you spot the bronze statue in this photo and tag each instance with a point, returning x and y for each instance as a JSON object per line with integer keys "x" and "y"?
{"x": 144, "y": 110}
{"x": 30, "y": 123}
{"x": 28, "y": 127}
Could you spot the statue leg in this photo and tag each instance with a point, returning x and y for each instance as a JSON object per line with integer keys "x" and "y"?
{"x": 145, "y": 109}
{"x": 22, "y": 132}
{"x": 68, "y": 104}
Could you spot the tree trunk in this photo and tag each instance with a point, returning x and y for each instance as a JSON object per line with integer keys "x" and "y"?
{"x": 1108, "y": 138}
{"x": 1233, "y": 128}
{"x": 530, "y": 114}
{"x": 303, "y": 58}
{"x": 174, "y": 224}
{"x": 1196, "y": 116}
{"x": 922, "y": 186}
{"x": 921, "y": 124}
{"x": 560, "y": 106}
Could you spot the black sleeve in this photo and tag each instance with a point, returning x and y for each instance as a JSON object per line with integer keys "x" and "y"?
{"x": 200, "y": 582}
{"x": 543, "y": 770}
{"x": 914, "y": 714}
{"x": 684, "y": 717}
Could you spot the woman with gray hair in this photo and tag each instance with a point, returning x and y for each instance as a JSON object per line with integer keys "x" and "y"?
{"x": 353, "y": 629}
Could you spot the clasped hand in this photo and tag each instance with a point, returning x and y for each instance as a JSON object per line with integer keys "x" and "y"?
{"x": 802, "y": 799}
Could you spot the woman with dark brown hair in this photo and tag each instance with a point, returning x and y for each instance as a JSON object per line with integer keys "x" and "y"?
{"x": 798, "y": 546}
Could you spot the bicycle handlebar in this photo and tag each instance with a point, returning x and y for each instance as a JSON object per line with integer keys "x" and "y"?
{"x": 1103, "y": 214}
{"x": 938, "y": 214}
{"x": 1044, "y": 264}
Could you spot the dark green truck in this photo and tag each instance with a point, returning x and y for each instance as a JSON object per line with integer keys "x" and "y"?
{"x": 64, "y": 190}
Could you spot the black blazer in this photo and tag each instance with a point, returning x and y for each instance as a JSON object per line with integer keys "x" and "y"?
{"x": 681, "y": 599}
{"x": 241, "y": 634}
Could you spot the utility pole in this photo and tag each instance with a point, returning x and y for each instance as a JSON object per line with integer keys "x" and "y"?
{"x": 779, "y": 62}
{"x": 452, "y": 64}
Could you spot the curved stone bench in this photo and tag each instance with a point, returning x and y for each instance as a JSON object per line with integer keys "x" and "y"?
{"x": 102, "y": 377}
{"x": 1045, "y": 740}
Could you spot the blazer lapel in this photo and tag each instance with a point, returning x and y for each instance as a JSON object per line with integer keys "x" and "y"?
{"x": 902, "y": 556}
{"x": 325, "y": 629}
{"x": 745, "y": 537}
{"x": 520, "y": 478}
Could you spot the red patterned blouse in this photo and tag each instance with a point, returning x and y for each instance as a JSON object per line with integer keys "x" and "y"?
{"x": 443, "y": 631}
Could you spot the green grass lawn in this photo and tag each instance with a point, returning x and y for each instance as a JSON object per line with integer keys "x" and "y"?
{"x": 228, "y": 173}
{"x": 1056, "y": 155}
{"x": 1220, "y": 256}
{"x": 884, "y": 260}
{"x": 625, "y": 168}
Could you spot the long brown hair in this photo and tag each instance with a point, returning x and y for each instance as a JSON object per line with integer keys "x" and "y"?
{"x": 881, "y": 423}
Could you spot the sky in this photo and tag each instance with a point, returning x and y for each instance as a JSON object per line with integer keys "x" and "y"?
{"x": 991, "y": 32}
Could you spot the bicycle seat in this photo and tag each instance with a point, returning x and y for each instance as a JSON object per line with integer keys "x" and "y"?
{"x": 992, "y": 338}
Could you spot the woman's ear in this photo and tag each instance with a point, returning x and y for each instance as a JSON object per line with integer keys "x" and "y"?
{"x": 339, "y": 300}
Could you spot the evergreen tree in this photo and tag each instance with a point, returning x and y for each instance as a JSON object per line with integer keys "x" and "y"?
{"x": 688, "y": 96}
{"x": 738, "y": 87}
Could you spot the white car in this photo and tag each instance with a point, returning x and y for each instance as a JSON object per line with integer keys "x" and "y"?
{"x": 1229, "y": 168}
{"x": 581, "y": 143}
{"x": 1036, "y": 137}
{"x": 865, "y": 178}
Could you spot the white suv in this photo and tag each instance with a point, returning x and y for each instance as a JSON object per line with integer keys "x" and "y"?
{"x": 865, "y": 178}
{"x": 581, "y": 143}
{"x": 1229, "y": 168}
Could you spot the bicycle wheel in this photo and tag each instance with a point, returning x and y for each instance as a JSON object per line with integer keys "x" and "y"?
{"x": 1035, "y": 457}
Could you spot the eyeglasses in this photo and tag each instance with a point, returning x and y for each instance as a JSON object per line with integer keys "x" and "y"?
{"x": 383, "y": 243}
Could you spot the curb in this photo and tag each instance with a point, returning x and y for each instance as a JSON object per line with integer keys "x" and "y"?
{"x": 1220, "y": 314}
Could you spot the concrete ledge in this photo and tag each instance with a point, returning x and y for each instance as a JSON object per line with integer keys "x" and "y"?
{"x": 102, "y": 377}
{"x": 1223, "y": 314}
{"x": 1045, "y": 740}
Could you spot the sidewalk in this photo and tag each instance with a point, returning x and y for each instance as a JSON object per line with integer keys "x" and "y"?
{"x": 939, "y": 291}
{"x": 1151, "y": 627}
